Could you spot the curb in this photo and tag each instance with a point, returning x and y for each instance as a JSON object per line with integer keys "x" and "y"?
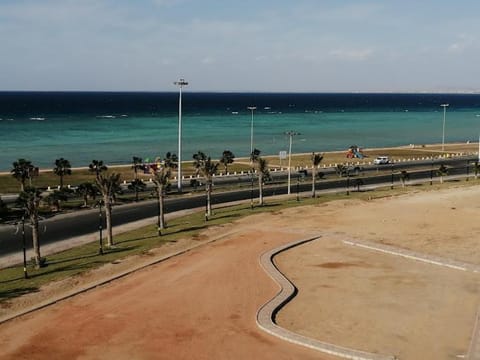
{"x": 265, "y": 318}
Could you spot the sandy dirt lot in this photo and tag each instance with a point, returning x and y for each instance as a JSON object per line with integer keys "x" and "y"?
{"x": 382, "y": 303}
{"x": 202, "y": 305}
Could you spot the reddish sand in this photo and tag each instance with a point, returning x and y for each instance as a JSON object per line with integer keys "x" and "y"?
{"x": 200, "y": 305}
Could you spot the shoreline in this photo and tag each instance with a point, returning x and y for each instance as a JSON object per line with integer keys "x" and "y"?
{"x": 416, "y": 147}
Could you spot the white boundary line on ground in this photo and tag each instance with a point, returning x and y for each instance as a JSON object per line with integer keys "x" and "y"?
{"x": 474, "y": 346}
{"x": 266, "y": 314}
{"x": 434, "y": 260}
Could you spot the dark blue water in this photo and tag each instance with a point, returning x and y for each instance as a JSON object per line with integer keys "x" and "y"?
{"x": 82, "y": 126}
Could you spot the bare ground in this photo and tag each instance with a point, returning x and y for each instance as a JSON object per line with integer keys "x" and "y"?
{"x": 202, "y": 305}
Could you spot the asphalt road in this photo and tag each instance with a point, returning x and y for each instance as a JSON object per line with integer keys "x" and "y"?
{"x": 62, "y": 227}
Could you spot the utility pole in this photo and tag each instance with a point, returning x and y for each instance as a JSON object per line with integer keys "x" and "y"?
{"x": 181, "y": 83}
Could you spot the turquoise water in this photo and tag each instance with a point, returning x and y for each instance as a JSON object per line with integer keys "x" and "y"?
{"x": 116, "y": 138}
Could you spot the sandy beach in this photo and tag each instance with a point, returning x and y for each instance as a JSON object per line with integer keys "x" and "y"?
{"x": 202, "y": 305}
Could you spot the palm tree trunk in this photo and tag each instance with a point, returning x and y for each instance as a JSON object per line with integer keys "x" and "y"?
{"x": 35, "y": 240}
{"x": 260, "y": 190}
{"x": 61, "y": 181}
{"x": 209, "y": 201}
{"x": 313, "y": 182}
{"x": 108, "y": 217}
{"x": 161, "y": 199}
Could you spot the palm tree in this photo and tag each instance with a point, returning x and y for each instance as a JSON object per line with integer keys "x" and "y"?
{"x": 358, "y": 183}
{"x": 170, "y": 160}
{"x": 137, "y": 164}
{"x": 204, "y": 166}
{"x": 316, "y": 160}
{"x": 254, "y": 155}
{"x": 442, "y": 171}
{"x": 227, "y": 158}
{"x": 22, "y": 170}
{"x": 476, "y": 168}
{"x": 55, "y": 198}
{"x": 137, "y": 185}
{"x": 109, "y": 186}
{"x": 97, "y": 167}
{"x": 404, "y": 176}
{"x": 87, "y": 190}
{"x": 162, "y": 176}
{"x": 62, "y": 168}
{"x": 30, "y": 199}
{"x": 3, "y": 208}
{"x": 261, "y": 165}
{"x": 341, "y": 170}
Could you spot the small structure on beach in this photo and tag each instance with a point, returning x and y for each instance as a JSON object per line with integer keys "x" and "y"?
{"x": 355, "y": 152}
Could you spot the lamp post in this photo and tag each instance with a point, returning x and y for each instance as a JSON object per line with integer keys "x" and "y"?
{"x": 251, "y": 190}
{"x": 24, "y": 248}
{"x": 181, "y": 83}
{"x": 252, "y": 109}
{"x": 159, "y": 213}
{"x": 100, "y": 228}
{"x": 443, "y": 132}
{"x": 391, "y": 185}
{"x": 348, "y": 181}
{"x": 291, "y": 134}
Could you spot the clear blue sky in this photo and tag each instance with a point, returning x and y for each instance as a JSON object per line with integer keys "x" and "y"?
{"x": 242, "y": 45}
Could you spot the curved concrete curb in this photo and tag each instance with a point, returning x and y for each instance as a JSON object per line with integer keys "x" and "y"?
{"x": 266, "y": 314}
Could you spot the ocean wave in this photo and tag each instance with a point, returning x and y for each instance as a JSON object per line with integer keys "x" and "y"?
{"x": 37, "y": 118}
{"x": 123, "y": 115}
{"x": 106, "y": 116}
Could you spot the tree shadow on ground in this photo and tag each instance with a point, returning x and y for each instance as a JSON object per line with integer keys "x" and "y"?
{"x": 14, "y": 279}
{"x": 67, "y": 268}
{"x": 137, "y": 239}
{"x": 225, "y": 216}
{"x": 105, "y": 250}
{"x": 264, "y": 206}
{"x": 16, "y": 292}
{"x": 185, "y": 230}
{"x": 59, "y": 261}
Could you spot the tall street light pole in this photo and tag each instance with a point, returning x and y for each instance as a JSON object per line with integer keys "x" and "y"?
{"x": 443, "y": 132}
{"x": 291, "y": 134}
{"x": 181, "y": 83}
{"x": 252, "y": 109}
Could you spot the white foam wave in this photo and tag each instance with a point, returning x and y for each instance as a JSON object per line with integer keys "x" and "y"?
{"x": 106, "y": 116}
{"x": 37, "y": 118}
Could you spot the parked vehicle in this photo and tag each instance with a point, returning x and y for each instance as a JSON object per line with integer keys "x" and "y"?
{"x": 381, "y": 160}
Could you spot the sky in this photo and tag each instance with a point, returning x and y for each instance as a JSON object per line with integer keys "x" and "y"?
{"x": 242, "y": 45}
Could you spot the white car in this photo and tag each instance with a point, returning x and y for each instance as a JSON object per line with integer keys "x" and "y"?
{"x": 381, "y": 160}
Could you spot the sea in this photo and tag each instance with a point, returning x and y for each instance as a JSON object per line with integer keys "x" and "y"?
{"x": 115, "y": 126}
